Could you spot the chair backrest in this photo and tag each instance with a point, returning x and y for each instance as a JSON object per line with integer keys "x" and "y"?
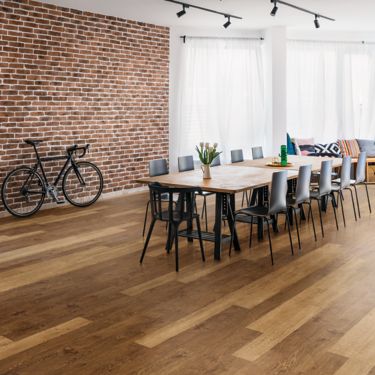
{"x": 279, "y": 189}
{"x": 303, "y": 184}
{"x": 184, "y": 209}
{"x": 158, "y": 167}
{"x": 216, "y": 162}
{"x": 360, "y": 175}
{"x": 325, "y": 179}
{"x": 257, "y": 152}
{"x": 236, "y": 156}
{"x": 345, "y": 172}
{"x": 185, "y": 163}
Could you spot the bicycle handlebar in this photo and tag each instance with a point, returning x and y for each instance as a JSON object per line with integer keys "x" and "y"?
{"x": 75, "y": 148}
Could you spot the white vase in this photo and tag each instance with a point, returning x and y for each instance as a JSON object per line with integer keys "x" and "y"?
{"x": 206, "y": 169}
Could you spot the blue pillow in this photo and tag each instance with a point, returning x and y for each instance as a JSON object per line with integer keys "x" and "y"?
{"x": 290, "y": 145}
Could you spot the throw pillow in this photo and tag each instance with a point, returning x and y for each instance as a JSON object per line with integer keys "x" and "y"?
{"x": 330, "y": 149}
{"x": 307, "y": 149}
{"x": 290, "y": 145}
{"x": 368, "y": 146}
{"x": 349, "y": 147}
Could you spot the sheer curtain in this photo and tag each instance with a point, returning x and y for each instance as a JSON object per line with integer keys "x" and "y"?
{"x": 220, "y": 97}
{"x": 331, "y": 90}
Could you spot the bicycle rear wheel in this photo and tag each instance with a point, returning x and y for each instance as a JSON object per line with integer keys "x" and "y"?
{"x": 23, "y": 192}
{"x": 82, "y": 184}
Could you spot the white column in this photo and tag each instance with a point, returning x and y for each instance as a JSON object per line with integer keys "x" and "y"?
{"x": 276, "y": 57}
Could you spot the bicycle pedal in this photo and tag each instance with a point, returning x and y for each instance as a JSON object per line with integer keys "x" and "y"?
{"x": 60, "y": 201}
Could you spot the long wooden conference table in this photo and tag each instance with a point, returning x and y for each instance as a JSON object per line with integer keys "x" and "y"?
{"x": 226, "y": 181}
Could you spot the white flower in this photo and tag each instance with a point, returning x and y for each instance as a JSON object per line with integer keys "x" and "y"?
{"x": 215, "y": 145}
{"x": 201, "y": 144}
{"x": 207, "y": 146}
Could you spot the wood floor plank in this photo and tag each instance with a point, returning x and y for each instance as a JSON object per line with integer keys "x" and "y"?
{"x": 4, "y": 238}
{"x": 288, "y": 317}
{"x": 60, "y": 243}
{"x": 249, "y": 295}
{"x": 4, "y": 341}
{"x": 42, "y": 337}
{"x": 358, "y": 345}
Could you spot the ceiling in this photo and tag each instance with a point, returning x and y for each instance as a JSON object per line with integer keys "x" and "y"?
{"x": 350, "y": 15}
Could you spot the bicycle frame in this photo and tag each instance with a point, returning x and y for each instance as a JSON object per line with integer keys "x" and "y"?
{"x": 69, "y": 160}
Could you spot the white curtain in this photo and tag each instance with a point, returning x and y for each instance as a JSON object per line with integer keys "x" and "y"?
{"x": 220, "y": 97}
{"x": 331, "y": 90}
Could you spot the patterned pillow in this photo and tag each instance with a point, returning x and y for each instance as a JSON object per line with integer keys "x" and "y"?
{"x": 349, "y": 147}
{"x": 329, "y": 149}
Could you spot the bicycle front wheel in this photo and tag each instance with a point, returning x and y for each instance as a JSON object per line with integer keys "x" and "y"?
{"x": 82, "y": 184}
{"x": 23, "y": 192}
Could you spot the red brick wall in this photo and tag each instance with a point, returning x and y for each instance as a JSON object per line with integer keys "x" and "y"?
{"x": 68, "y": 76}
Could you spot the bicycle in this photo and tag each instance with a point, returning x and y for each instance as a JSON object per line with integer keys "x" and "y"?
{"x": 24, "y": 188}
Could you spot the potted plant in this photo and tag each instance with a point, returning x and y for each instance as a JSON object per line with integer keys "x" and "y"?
{"x": 207, "y": 154}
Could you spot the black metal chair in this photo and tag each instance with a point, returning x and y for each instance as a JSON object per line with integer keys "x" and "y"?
{"x": 257, "y": 153}
{"x": 236, "y": 156}
{"x": 324, "y": 191}
{"x": 360, "y": 179}
{"x": 183, "y": 211}
{"x": 343, "y": 183}
{"x": 185, "y": 164}
{"x": 277, "y": 205}
{"x": 302, "y": 197}
{"x": 157, "y": 167}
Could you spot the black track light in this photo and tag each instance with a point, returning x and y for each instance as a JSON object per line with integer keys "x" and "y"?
{"x": 316, "y": 22}
{"x": 183, "y": 11}
{"x": 275, "y": 9}
{"x": 228, "y": 23}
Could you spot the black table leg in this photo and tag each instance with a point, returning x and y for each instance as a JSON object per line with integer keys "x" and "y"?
{"x": 231, "y": 208}
{"x": 260, "y": 192}
{"x": 218, "y": 218}
{"x": 189, "y": 227}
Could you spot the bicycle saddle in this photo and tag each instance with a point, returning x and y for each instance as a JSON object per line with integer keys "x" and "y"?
{"x": 34, "y": 143}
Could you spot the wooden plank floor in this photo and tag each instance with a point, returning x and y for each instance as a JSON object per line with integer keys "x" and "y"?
{"x": 75, "y": 301}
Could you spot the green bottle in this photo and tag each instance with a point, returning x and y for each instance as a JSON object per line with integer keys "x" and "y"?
{"x": 284, "y": 156}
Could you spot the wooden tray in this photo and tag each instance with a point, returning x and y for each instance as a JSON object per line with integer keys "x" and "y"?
{"x": 278, "y": 165}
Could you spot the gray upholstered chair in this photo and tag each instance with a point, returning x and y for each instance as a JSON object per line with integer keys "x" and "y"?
{"x": 343, "y": 183}
{"x": 277, "y": 205}
{"x": 301, "y": 198}
{"x": 360, "y": 179}
{"x": 257, "y": 153}
{"x": 324, "y": 191}
{"x": 236, "y": 156}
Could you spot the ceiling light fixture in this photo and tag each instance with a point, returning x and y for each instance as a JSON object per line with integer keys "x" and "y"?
{"x": 317, "y": 15}
{"x": 183, "y": 11}
{"x": 228, "y": 23}
{"x": 316, "y": 22}
{"x": 275, "y": 8}
{"x": 186, "y": 5}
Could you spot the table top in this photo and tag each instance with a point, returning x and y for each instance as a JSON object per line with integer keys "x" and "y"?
{"x": 296, "y": 161}
{"x": 225, "y": 179}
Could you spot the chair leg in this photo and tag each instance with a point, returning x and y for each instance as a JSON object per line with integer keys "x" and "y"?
{"x": 205, "y": 212}
{"x": 290, "y": 233}
{"x": 356, "y": 197}
{"x": 342, "y": 207}
{"x": 145, "y": 221}
{"x": 334, "y": 205}
{"x": 175, "y": 230}
{"x": 251, "y": 232}
{"x": 147, "y": 240}
{"x": 232, "y": 235}
{"x": 313, "y": 221}
{"x": 200, "y": 238}
{"x": 297, "y": 227}
{"x": 368, "y": 197}
{"x": 169, "y": 238}
{"x": 320, "y": 217}
{"x": 269, "y": 240}
{"x": 354, "y": 210}
{"x": 243, "y": 199}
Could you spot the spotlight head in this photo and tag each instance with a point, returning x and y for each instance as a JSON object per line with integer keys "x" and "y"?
{"x": 275, "y": 9}
{"x": 228, "y": 23}
{"x": 182, "y": 12}
{"x": 316, "y": 22}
